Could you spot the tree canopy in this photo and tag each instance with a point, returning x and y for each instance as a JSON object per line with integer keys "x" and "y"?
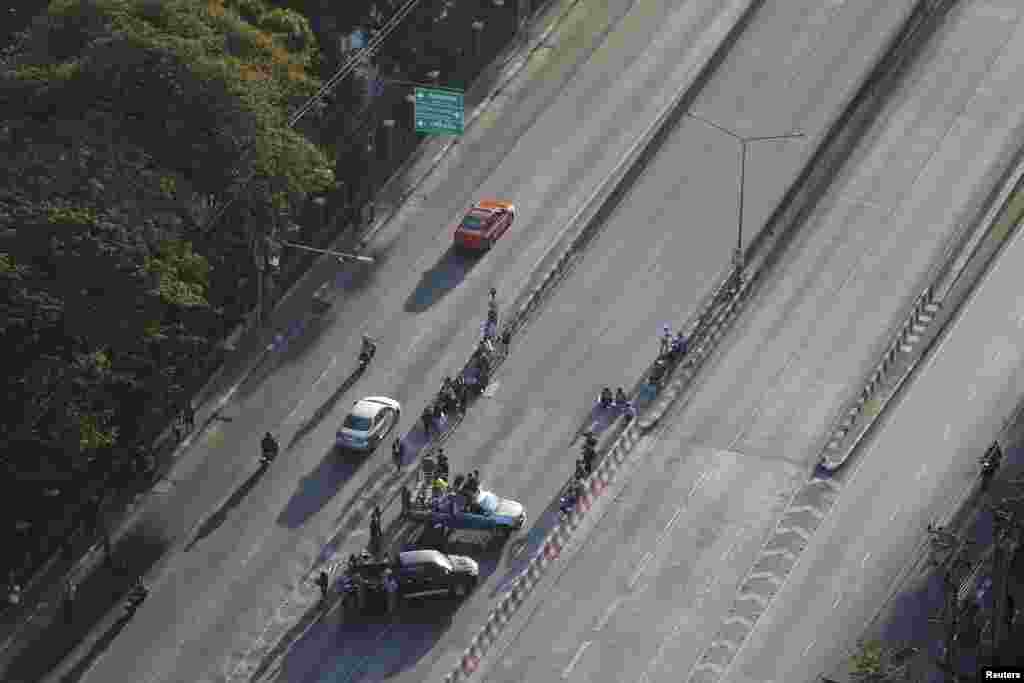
{"x": 122, "y": 122}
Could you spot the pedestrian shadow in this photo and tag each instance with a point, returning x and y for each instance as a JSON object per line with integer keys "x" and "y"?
{"x": 316, "y": 488}
{"x": 214, "y": 521}
{"x": 438, "y": 281}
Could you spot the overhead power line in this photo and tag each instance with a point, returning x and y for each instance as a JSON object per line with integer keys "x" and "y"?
{"x": 347, "y": 68}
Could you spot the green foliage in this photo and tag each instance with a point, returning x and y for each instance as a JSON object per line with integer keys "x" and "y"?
{"x": 872, "y": 663}
{"x": 226, "y": 83}
{"x": 182, "y": 275}
{"x": 95, "y": 431}
{"x": 71, "y": 215}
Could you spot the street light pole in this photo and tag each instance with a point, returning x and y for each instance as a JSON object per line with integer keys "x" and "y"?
{"x": 744, "y": 140}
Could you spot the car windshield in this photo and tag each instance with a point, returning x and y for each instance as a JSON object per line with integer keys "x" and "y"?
{"x": 473, "y": 221}
{"x": 357, "y": 423}
{"x": 488, "y": 501}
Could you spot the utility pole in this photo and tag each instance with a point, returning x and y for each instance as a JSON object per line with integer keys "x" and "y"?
{"x": 744, "y": 140}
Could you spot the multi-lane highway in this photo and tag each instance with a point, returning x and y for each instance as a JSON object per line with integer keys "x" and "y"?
{"x": 665, "y": 559}
{"x": 549, "y": 140}
{"x": 655, "y": 258}
{"x": 929, "y": 443}
{"x": 645, "y": 596}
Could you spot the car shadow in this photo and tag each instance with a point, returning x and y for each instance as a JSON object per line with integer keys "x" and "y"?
{"x": 319, "y": 486}
{"x": 326, "y": 407}
{"x": 335, "y": 644}
{"x": 442, "y": 278}
{"x": 214, "y": 521}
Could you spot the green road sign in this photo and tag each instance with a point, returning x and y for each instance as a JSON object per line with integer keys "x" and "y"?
{"x": 439, "y": 111}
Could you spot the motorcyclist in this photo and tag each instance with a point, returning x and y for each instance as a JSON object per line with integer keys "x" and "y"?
{"x": 606, "y": 397}
{"x": 368, "y": 349}
{"x": 270, "y": 446}
{"x": 620, "y": 398}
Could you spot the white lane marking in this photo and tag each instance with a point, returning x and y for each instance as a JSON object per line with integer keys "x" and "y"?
{"x": 835, "y": 603}
{"x": 809, "y": 646}
{"x": 417, "y": 339}
{"x": 567, "y": 671}
{"x": 639, "y": 569}
{"x": 603, "y": 621}
{"x": 921, "y": 472}
{"x": 893, "y": 515}
{"x": 672, "y": 522}
{"x": 971, "y": 393}
{"x": 697, "y": 484}
{"x": 946, "y": 432}
{"x": 864, "y": 562}
{"x": 334, "y": 359}
{"x": 302, "y": 401}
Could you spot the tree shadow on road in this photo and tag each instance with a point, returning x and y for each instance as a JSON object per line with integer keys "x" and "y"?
{"x": 100, "y": 590}
{"x": 213, "y": 522}
{"x": 436, "y": 283}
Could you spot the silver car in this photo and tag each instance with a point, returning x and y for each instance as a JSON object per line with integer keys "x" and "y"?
{"x": 368, "y": 423}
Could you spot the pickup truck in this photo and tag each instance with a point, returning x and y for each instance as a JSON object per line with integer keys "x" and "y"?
{"x": 485, "y": 511}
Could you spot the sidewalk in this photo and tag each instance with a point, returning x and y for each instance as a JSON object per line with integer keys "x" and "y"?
{"x": 906, "y": 619}
{"x": 34, "y": 635}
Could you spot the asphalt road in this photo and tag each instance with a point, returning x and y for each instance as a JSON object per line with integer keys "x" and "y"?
{"x": 930, "y": 442}
{"x": 645, "y": 596}
{"x": 656, "y": 256}
{"x": 545, "y": 144}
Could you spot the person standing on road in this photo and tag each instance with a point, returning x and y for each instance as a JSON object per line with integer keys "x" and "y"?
{"x": 427, "y": 417}
{"x": 70, "y": 590}
{"x": 391, "y": 586}
{"x": 396, "y": 453}
{"x": 324, "y": 584}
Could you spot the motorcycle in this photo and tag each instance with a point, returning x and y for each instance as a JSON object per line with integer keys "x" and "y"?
{"x": 269, "y": 452}
{"x": 366, "y": 355}
{"x": 989, "y": 465}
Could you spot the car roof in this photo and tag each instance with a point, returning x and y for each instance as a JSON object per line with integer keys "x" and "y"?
{"x": 366, "y": 408}
{"x": 414, "y": 557}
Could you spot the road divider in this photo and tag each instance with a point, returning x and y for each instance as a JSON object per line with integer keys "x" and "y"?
{"x": 949, "y": 286}
{"x": 834, "y": 147}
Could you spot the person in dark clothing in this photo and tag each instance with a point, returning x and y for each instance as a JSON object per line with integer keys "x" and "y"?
{"x": 406, "y": 500}
{"x": 427, "y": 417}
{"x": 70, "y": 590}
{"x": 442, "y": 464}
{"x": 438, "y": 415}
{"x": 324, "y": 584}
{"x": 581, "y": 471}
{"x": 396, "y": 453}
